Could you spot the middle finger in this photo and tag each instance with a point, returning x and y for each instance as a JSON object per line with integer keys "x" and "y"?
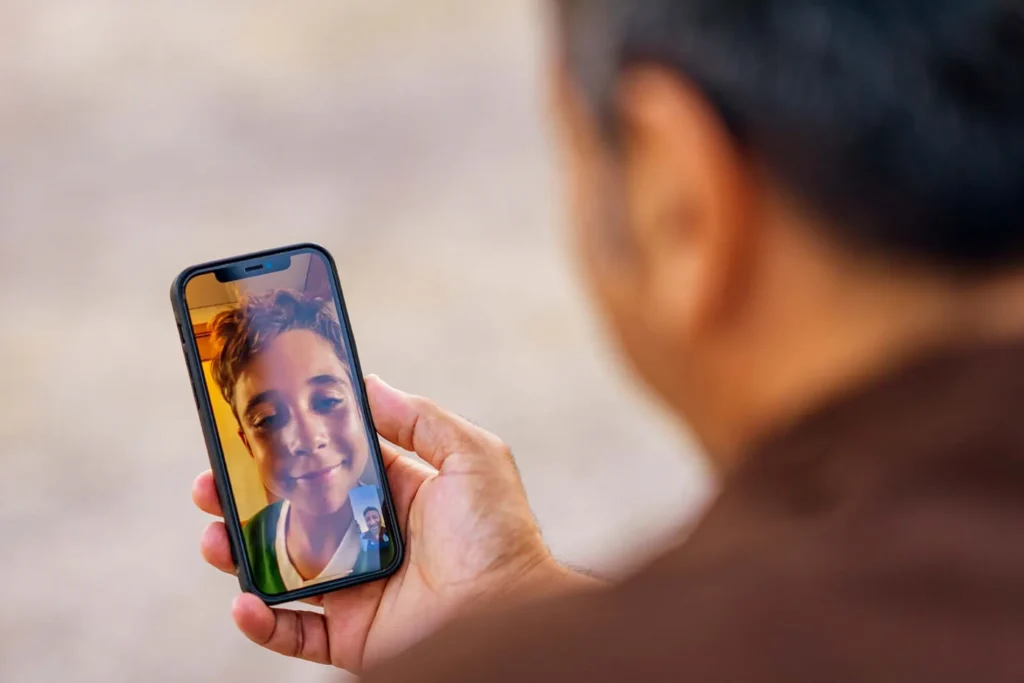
{"x": 204, "y": 494}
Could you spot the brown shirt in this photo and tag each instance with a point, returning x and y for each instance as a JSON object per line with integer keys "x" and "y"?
{"x": 879, "y": 540}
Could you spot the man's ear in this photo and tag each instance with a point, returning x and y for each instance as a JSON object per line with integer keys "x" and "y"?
{"x": 690, "y": 197}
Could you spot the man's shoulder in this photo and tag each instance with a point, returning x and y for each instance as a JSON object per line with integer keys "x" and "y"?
{"x": 649, "y": 627}
{"x": 717, "y": 613}
{"x": 809, "y": 602}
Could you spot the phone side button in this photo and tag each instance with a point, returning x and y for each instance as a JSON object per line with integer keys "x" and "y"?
{"x": 234, "y": 555}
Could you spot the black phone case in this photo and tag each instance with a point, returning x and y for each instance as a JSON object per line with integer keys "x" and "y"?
{"x": 217, "y": 460}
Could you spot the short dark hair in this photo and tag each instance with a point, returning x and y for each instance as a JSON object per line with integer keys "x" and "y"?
{"x": 901, "y": 122}
{"x": 369, "y": 510}
{"x": 241, "y": 333}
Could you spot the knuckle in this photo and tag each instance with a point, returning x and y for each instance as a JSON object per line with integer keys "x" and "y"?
{"x": 496, "y": 447}
{"x": 426, "y": 406}
{"x": 299, "y": 628}
{"x": 506, "y": 455}
{"x": 503, "y": 449}
{"x": 460, "y": 442}
{"x": 471, "y": 437}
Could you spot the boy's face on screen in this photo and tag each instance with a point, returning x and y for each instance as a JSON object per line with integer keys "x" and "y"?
{"x": 301, "y": 421}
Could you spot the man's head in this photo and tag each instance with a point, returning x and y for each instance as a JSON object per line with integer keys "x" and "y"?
{"x": 282, "y": 367}
{"x": 767, "y": 190}
{"x": 372, "y": 517}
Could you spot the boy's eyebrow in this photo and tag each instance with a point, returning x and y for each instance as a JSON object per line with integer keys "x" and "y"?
{"x": 326, "y": 380}
{"x": 257, "y": 399}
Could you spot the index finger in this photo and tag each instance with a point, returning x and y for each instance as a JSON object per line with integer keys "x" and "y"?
{"x": 204, "y": 494}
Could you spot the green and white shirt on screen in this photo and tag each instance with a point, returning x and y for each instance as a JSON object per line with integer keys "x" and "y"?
{"x": 340, "y": 566}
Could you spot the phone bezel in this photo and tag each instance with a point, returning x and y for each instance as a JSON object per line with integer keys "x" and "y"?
{"x": 215, "y": 450}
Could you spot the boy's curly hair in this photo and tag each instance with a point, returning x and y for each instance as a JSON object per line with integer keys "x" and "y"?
{"x": 243, "y": 332}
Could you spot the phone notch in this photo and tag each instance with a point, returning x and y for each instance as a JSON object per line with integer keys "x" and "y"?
{"x": 263, "y": 266}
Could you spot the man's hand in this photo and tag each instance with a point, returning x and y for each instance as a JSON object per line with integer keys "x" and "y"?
{"x": 470, "y": 536}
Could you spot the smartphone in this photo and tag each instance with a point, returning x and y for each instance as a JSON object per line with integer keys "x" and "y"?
{"x": 283, "y": 407}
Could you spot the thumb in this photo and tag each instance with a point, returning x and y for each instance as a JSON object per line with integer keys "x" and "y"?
{"x": 417, "y": 424}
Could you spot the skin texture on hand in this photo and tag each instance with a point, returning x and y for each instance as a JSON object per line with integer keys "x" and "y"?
{"x": 470, "y": 536}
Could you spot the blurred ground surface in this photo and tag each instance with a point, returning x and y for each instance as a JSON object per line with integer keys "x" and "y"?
{"x": 408, "y": 136}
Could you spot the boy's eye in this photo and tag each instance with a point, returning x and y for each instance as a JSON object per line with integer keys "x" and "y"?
{"x": 325, "y": 404}
{"x": 267, "y": 421}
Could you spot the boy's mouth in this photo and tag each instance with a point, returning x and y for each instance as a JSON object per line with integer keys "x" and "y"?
{"x": 323, "y": 473}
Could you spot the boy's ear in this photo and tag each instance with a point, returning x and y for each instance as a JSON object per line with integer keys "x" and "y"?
{"x": 241, "y": 435}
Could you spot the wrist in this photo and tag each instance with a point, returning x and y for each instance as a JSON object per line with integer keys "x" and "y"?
{"x": 550, "y": 577}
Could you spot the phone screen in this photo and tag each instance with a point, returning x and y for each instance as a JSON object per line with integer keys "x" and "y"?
{"x": 304, "y": 472}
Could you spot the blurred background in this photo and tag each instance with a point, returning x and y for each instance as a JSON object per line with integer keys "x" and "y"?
{"x": 408, "y": 137}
